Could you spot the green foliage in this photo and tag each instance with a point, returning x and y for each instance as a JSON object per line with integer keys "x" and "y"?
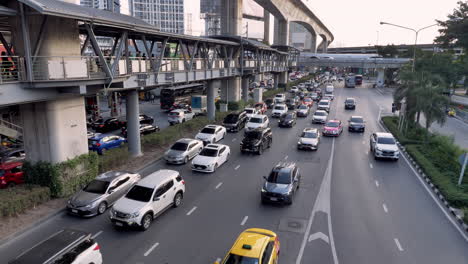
{"x": 389, "y": 51}
{"x": 20, "y": 198}
{"x": 453, "y": 31}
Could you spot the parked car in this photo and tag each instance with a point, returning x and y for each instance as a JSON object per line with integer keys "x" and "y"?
{"x": 278, "y": 110}
{"x": 108, "y": 125}
{"x": 179, "y": 116}
{"x": 11, "y": 155}
{"x": 257, "y": 121}
{"x": 303, "y": 110}
{"x": 144, "y": 119}
{"x": 211, "y": 134}
{"x": 66, "y": 246}
{"x": 11, "y": 174}
{"x": 350, "y": 103}
{"x": 320, "y": 117}
{"x": 282, "y": 183}
{"x": 383, "y": 145}
{"x": 102, "y": 143}
{"x": 101, "y": 193}
{"x": 357, "y": 123}
{"x": 262, "y": 107}
{"x": 183, "y": 150}
{"x": 257, "y": 140}
{"x": 211, "y": 157}
{"x": 332, "y": 128}
{"x": 288, "y": 119}
{"x": 252, "y": 246}
{"x": 149, "y": 198}
{"x": 144, "y": 129}
{"x": 251, "y": 111}
{"x": 309, "y": 139}
{"x": 235, "y": 121}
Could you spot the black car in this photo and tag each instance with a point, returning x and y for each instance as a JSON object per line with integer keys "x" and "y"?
{"x": 108, "y": 125}
{"x": 292, "y": 103}
{"x": 145, "y": 129}
{"x": 301, "y": 95}
{"x": 269, "y": 102}
{"x": 288, "y": 119}
{"x": 256, "y": 140}
{"x": 357, "y": 124}
{"x": 144, "y": 119}
{"x": 350, "y": 103}
{"x": 282, "y": 183}
{"x": 235, "y": 121}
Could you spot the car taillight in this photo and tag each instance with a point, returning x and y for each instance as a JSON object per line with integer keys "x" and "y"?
{"x": 97, "y": 247}
{"x": 101, "y": 125}
{"x": 183, "y": 182}
{"x": 98, "y": 144}
{"x": 2, "y": 178}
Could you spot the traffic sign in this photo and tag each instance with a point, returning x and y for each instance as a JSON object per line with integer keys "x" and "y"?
{"x": 462, "y": 157}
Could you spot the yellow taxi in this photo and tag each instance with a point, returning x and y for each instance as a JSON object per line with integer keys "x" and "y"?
{"x": 254, "y": 246}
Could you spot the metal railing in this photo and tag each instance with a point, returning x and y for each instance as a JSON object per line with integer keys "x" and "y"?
{"x": 11, "y": 69}
{"x": 11, "y": 130}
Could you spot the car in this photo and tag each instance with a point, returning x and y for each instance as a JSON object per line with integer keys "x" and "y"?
{"x": 145, "y": 129}
{"x": 301, "y": 95}
{"x": 257, "y": 140}
{"x": 282, "y": 183}
{"x": 324, "y": 105}
{"x": 294, "y": 89}
{"x": 179, "y": 116}
{"x": 280, "y": 98}
{"x": 102, "y": 142}
{"x": 288, "y": 119}
{"x": 314, "y": 96}
{"x": 309, "y": 139}
{"x": 11, "y": 174}
{"x": 183, "y": 150}
{"x": 108, "y": 125}
{"x": 143, "y": 119}
{"x": 211, "y": 157}
{"x": 308, "y": 101}
{"x": 235, "y": 121}
{"x": 211, "y": 134}
{"x": 383, "y": 145}
{"x": 350, "y": 103}
{"x": 329, "y": 95}
{"x": 68, "y": 246}
{"x": 332, "y": 128}
{"x": 292, "y": 103}
{"x": 257, "y": 121}
{"x": 11, "y": 155}
{"x": 147, "y": 199}
{"x": 101, "y": 193}
{"x": 262, "y": 108}
{"x": 254, "y": 246}
{"x": 303, "y": 110}
{"x": 183, "y": 106}
{"x": 278, "y": 110}
{"x": 356, "y": 123}
{"x": 250, "y": 111}
{"x": 90, "y": 134}
{"x": 269, "y": 102}
{"x": 319, "y": 117}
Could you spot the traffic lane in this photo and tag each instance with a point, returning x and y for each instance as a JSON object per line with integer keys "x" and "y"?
{"x": 453, "y": 127}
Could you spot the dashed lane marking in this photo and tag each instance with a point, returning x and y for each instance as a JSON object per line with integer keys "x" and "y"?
{"x": 237, "y": 167}
{"x": 397, "y": 242}
{"x": 244, "y": 220}
{"x": 97, "y": 234}
{"x": 371, "y": 166}
{"x": 385, "y": 208}
{"x": 151, "y": 249}
{"x": 219, "y": 185}
{"x": 192, "y": 210}
{"x": 377, "y": 183}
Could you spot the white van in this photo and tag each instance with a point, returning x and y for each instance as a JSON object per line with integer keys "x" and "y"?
{"x": 329, "y": 88}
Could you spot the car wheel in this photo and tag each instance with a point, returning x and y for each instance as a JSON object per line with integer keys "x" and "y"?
{"x": 183, "y": 120}
{"x": 215, "y": 167}
{"x": 11, "y": 185}
{"x": 228, "y": 155}
{"x": 102, "y": 208}
{"x": 103, "y": 151}
{"x": 186, "y": 160}
{"x": 269, "y": 143}
{"x": 260, "y": 150}
{"x": 224, "y": 134}
{"x": 177, "y": 200}
{"x": 146, "y": 221}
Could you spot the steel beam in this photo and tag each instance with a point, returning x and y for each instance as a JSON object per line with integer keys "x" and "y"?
{"x": 98, "y": 51}
{"x": 5, "y": 44}
{"x": 120, "y": 48}
{"x": 26, "y": 42}
{"x": 85, "y": 44}
{"x": 148, "y": 51}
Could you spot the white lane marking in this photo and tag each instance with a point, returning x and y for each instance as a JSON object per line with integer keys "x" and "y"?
{"x": 234, "y": 139}
{"x": 244, "y": 220}
{"x": 218, "y": 260}
{"x": 286, "y": 157}
{"x": 385, "y": 208}
{"x": 219, "y": 185}
{"x": 237, "y": 167}
{"x": 319, "y": 235}
{"x": 398, "y": 244}
{"x": 151, "y": 249}
{"x": 192, "y": 210}
{"x": 377, "y": 183}
{"x": 462, "y": 233}
{"x": 371, "y": 166}
{"x": 96, "y": 235}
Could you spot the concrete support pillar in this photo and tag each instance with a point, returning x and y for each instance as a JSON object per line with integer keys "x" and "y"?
{"x": 313, "y": 43}
{"x": 231, "y": 17}
{"x": 281, "y": 32}
{"x": 258, "y": 94}
{"x": 325, "y": 46}
{"x": 266, "y": 27}
{"x": 231, "y": 89}
{"x": 210, "y": 98}
{"x": 276, "y": 80}
{"x": 245, "y": 88}
{"x": 54, "y": 131}
{"x": 380, "y": 77}
{"x": 133, "y": 124}
{"x": 283, "y": 79}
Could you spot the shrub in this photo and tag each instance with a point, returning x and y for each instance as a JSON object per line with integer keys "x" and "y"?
{"x": 20, "y": 198}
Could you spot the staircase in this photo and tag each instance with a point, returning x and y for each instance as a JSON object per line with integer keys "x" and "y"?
{"x": 10, "y": 130}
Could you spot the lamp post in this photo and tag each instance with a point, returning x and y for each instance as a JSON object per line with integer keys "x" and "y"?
{"x": 416, "y": 31}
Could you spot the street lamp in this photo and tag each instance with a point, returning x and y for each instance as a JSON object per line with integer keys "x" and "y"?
{"x": 415, "y": 37}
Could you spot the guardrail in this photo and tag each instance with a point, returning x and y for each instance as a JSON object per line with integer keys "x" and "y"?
{"x": 11, "y": 69}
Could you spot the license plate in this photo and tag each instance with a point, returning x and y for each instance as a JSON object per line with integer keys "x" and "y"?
{"x": 118, "y": 224}
{"x": 273, "y": 199}
{"x": 74, "y": 211}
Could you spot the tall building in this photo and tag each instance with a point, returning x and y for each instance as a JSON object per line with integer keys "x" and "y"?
{"x": 167, "y": 15}
{"x": 210, "y": 12}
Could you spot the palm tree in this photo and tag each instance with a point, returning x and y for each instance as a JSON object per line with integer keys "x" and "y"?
{"x": 407, "y": 92}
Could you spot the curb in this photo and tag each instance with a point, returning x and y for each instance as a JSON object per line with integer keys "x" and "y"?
{"x": 435, "y": 190}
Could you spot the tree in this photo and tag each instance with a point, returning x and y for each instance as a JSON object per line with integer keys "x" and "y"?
{"x": 389, "y": 51}
{"x": 454, "y": 31}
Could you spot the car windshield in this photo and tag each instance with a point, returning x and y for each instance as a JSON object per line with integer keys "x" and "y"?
{"x": 236, "y": 259}
{"x": 174, "y": 113}
{"x": 2, "y": 172}
{"x": 230, "y": 118}
{"x": 140, "y": 193}
{"x": 323, "y": 103}
{"x": 279, "y": 96}
{"x": 208, "y": 152}
{"x": 208, "y": 130}
{"x": 307, "y": 100}
{"x": 320, "y": 114}
{"x": 249, "y": 111}
{"x": 179, "y": 146}
{"x": 332, "y": 124}
{"x": 279, "y": 107}
{"x": 253, "y": 135}
{"x": 92, "y": 142}
{"x": 96, "y": 186}
{"x": 309, "y": 135}
{"x": 287, "y": 116}
{"x": 386, "y": 141}
{"x": 302, "y": 107}
{"x": 349, "y": 101}
{"x": 357, "y": 120}
{"x": 281, "y": 176}
{"x": 257, "y": 120}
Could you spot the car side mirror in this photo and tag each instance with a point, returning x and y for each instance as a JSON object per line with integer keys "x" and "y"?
{"x": 110, "y": 191}
{"x": 155, "y": 199}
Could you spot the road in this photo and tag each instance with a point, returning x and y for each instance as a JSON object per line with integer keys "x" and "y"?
{"x": 349, "y": 209}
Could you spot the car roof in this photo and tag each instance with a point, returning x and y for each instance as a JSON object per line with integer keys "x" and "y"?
{"x": 350, "y": 98}
{"x": 284, "y": 165}
{"x": 333, "y": 120}
{"x": 215, "y": 146}
{"x": 98, "y": 136}
{"x": 250, "y": 108}
{"x": 155, "y": 178}
{"x": 321, "y": 111}
{"x": 10, "y": 165}
{"x": 357, "y": 117}
{"x": 256, "y": 238}
{"x": 109, "y": 176}
{"x": 186, "y": 140}
{"x": 310, "y": 129}
{"x": 178, "y": 110}
{"x": 324, "y": 100}
{"x": 259, "y": 116}
{"x": 212, "y": 126}
{"x": 384, "y": 134}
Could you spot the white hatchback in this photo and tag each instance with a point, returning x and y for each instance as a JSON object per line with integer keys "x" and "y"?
{"x": 211, "y": 158}
{"x": 179, "y": 116}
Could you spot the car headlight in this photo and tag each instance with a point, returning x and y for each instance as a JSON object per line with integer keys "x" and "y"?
{"x": 299, "y": 143}
{"x": 263, "y": 190}
{"x": 136, "y": 214}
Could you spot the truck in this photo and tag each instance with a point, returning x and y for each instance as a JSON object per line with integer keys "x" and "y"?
{"x": 199, "y": 105}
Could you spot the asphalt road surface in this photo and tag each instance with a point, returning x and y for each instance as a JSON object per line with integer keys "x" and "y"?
{"x": 349, "y": 209}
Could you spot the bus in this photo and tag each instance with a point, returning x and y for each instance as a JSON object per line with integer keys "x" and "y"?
{"x": 180, "y": 94}
{"x": 358, "y": 79}
{"x": 350, "y": 81}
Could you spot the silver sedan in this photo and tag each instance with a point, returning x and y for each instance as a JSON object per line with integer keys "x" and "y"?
{"x": 183, "y": 150}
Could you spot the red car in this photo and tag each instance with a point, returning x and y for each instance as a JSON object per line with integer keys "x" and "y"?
{"x": 333, "y": 128}
{"x": 262, "y": 107}
{"x": 308, "y": 101}
{"x": 11, "y": 173}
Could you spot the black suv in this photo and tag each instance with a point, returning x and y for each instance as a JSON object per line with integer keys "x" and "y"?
{"x": 288, "y": 119}
{"x": 350, "y": 103}
{"x": 292, "y": 103}
{"x": 357, "y": 123}
{"x": 256, "y": 140}
{"x": 235, "y": 121}
{"x": 282, "y": 183}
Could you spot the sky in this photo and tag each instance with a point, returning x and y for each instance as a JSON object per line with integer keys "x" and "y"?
{"x": 357, "y": 22}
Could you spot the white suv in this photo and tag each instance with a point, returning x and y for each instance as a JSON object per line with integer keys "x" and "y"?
{"x": 150, "y": 197}
{"x": 278, "y": 110}
{"x": 383, "y": 145}
{"x": 257, "y": 121}
{"x": 280, "y": 98}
